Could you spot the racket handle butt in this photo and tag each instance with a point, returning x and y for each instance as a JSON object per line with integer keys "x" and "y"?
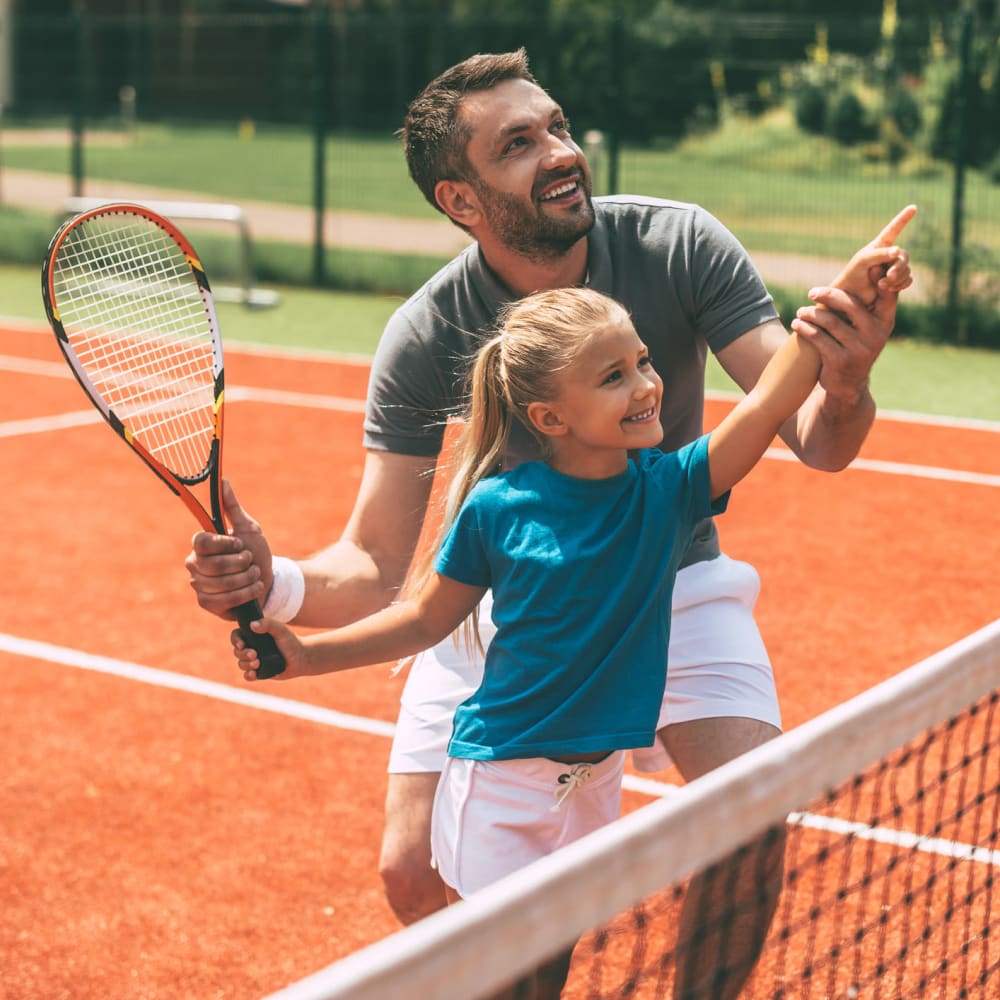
{"x": 272, "y": 662}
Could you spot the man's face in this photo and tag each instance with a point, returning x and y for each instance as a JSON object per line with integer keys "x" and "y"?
{"x": 530, "y": 178}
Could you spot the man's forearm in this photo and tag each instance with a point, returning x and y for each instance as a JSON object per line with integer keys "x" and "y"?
{"x": 342, "y": 584}
{"x": 832, "y": 429}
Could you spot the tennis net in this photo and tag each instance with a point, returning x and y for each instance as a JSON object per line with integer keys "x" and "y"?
{"x": 888, "y": 812}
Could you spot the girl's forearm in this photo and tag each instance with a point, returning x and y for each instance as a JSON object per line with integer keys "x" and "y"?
{"x": 787, "y": 381}
{"x": 747, "y": 431}
{"x": 389, "y": 635}
{"x": 396, "y": 632}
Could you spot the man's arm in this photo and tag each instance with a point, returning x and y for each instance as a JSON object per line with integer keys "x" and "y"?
{"x": 355, "y": 576}
{"x": 364, "y": 570}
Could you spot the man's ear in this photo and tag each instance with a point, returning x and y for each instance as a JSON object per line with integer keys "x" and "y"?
{"x": 546, "y": 420}
{"x": 459, "y": 202}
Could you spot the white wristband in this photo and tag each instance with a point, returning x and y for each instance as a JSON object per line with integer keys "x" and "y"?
{"x": 288, "y": 590}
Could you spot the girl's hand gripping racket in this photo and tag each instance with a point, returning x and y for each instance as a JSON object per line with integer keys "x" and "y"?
{"x": 134, "y": 316}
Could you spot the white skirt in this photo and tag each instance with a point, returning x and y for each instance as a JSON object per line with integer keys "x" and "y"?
{"x": 491, "y": 818}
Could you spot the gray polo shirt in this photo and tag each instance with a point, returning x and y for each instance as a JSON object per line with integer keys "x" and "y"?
{"x": 686, "y": 280}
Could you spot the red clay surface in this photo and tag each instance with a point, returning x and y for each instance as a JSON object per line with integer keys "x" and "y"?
{"x": 159, "y": 843}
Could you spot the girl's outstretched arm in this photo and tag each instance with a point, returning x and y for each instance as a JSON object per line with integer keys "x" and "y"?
{"x": 394, "y": 633}
{"x": 740, "y": 441}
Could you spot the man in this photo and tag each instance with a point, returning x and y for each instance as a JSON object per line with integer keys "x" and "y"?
{"x": 493, "y": 151}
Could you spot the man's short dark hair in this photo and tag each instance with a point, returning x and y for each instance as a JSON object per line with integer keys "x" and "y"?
{"x": 434, "y": 137}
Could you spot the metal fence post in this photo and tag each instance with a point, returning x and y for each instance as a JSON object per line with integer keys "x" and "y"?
{"x": 958, "y": 193}
{"x": 321, "y": 92}
{"x": 616, "y": 92}
{"x": 79, "y": 96}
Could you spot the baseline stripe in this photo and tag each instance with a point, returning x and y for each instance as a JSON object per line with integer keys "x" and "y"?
{"x": 51, "y": 369}
{"x": 39, "y": 425}
{"x": 898, "y": 416}
{"x": 897, "y": 838}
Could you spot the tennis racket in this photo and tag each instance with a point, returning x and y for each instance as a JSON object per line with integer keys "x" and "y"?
{"x": 133, "y": 314}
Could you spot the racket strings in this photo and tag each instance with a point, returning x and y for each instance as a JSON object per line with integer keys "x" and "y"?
{"x": 135, "y": 318}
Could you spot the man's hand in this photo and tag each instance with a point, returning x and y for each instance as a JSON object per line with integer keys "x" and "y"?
{"x": 229, "y": 570}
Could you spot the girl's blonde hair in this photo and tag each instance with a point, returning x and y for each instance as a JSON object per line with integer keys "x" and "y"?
{"x": 537, "y": 339}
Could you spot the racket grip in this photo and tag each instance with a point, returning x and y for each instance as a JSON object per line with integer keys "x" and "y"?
{"x": 272, "y": 662}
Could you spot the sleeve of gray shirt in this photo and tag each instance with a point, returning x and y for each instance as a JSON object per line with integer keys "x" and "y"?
{"x": 730, "y": 294}
{"x": 417, "y": 381}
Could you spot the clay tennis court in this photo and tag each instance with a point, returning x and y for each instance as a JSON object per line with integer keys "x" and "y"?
{"x": 169, "y": 831}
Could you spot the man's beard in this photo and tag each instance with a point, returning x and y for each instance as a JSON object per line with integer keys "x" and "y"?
{"x": 529, "y": 232}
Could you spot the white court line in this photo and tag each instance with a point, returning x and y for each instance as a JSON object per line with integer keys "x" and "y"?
{"x": 242, "y": 394}
{"x": 902, "y": 469}
{"x": 41, "y": 425}
{"x": 279, "y": 397}
{"x": 50, "y": 653}
{"x": 897, "y": 838}
{"x": 364, "y": 361}
{"x": 192, "y": 685}
{"x": 896, "y": 416}
{"x": 33, "y": 366}
{"x": 283, "y": 397}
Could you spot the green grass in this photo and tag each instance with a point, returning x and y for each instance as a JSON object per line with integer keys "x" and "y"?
{"x": 363, "y": 173}
{"x": 776, "y": 188}
{"x": 781, "y": 190}
{"x": 918, "y": 377}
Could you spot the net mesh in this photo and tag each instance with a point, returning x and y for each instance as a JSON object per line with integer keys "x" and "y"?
{"x": 888, "y": 889}
{"x": 137, "y": 327}
{"x": 871, "y": 834}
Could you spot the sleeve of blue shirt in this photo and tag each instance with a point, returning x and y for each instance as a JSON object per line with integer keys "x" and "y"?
{"x": 690, "y": 464}
{"x": 463, "y": 553}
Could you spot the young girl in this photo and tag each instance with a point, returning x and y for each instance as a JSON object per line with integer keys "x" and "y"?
{"x": 580, "y": 552}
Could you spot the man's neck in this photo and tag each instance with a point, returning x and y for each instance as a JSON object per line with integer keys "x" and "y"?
{"x": 524, "y": 276}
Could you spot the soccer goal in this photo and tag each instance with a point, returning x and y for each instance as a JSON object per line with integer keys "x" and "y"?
{"x": 197, "y": 211}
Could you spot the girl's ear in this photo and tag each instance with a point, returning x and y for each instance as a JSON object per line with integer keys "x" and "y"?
{"x": 459, "y": 202}
{"x": 546, "y": 420}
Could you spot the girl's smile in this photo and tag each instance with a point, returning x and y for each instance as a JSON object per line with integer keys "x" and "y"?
{"x": 607, "y": 403}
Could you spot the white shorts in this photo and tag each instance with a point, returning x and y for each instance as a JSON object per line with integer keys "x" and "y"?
{"x": 717, "y": 667}
{"x": 493, "y": 817}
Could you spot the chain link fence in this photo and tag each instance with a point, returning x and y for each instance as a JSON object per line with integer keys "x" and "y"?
{"x": 800, "y": 134}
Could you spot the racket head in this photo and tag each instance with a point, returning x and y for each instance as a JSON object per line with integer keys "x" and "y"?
{"x": 133, "y": 314}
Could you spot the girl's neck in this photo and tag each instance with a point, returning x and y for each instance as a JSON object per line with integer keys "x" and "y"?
{"x": 593, "y": 463}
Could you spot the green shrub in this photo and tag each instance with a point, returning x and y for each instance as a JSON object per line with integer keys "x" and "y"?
{"x": 848, "y": 119}
{"x": 810, "y": 109}
{"x": 904, "y": 111}
{"x": 992, "y": 170}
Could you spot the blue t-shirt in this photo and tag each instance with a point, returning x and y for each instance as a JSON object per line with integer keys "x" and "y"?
{"x": 582, "y": 572}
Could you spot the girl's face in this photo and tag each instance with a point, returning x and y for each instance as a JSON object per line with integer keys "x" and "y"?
{"x": 607, "y": 403}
